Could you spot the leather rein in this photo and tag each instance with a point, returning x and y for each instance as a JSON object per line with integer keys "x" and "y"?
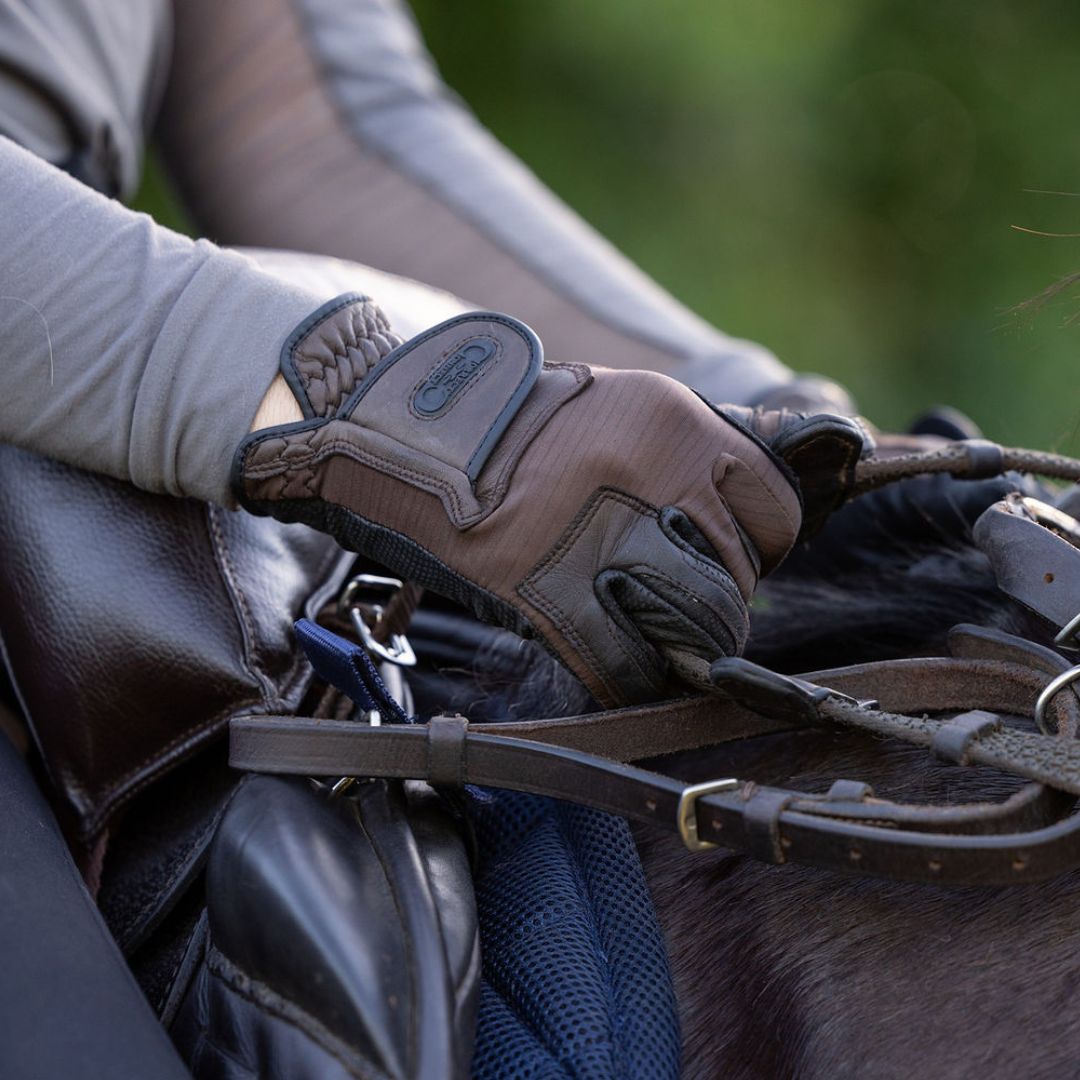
{"x": 1033, "y": 835}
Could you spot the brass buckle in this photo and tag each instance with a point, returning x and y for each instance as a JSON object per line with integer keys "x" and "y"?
{"x": 686, "y": 814}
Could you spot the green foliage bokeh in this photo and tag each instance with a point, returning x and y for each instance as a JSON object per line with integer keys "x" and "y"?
{"x": 836, "y": 180}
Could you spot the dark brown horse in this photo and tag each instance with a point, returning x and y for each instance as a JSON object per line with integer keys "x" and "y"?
{"x": 790, "y": 971}
{"x": 793, "y": 972}
{"x": 779, "y": 971}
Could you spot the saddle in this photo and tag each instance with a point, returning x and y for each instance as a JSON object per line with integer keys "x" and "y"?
{"x": 134, "y": 628}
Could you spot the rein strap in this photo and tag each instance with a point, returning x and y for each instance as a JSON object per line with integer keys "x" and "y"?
{"x": 970, "y": 459}
{"x": 584, "y": 759}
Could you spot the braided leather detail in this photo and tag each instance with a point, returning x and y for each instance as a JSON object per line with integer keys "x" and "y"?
{"x": 280, "y": 467}
{"x": 336, "y": 354}
{"x": 1042, "y": 758}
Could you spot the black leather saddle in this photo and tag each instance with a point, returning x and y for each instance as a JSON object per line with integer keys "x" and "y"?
{"x": 274, "y": 933}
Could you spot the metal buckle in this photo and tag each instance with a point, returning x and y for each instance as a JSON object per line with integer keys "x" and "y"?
{"x": 1056, "y": 520}
{"x": 397, "y": 651}
{"x": 365, "y": 616}
{"x": 1068, "y": 637}
{"x": 344, "y": 783}
{"x": 686, "y": 814}
{"x": 1056, "y": 684}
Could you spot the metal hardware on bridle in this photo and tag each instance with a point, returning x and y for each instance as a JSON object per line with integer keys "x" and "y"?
{"x": 1055, "y": 686}
{"x": 956, "y": 708}
{"x": 993, "y": 676}
{"x": 1034, "y": 551}
{"x": 1028, "y": 837}
{"x": 381, "y": 629}
{"x": 970, "y": 459}
{"x": 1067, "y": 636}
{"x": 686, "y": 813}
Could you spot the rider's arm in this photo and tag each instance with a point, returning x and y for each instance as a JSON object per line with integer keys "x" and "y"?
{"x": 313, "y": 126}
{"x": 128, "y": 349}
{"x": 613, "y": 514}
{"x": 318, "y": 126}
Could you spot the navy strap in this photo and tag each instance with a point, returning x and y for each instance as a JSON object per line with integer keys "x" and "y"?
{"x": 347, "y": 666}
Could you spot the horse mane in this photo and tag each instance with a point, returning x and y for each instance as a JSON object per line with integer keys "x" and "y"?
{"x": 887, "y": 578}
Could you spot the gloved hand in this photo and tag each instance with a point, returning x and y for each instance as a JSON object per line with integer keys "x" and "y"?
{"x": 612, "y": 514}
{"x": 809, "y": 395}
{"x": 821, "y": 449}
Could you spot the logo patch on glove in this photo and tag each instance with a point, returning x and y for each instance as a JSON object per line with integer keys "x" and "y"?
{"x": 452, "y": 376}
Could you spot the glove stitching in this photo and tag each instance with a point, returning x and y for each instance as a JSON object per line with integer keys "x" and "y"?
{"x": 750, "y": 550}
{"x": 460, "y": 516}
{"x": 497, "y": 492}
{"x": 641, "y": 651}
{"x": 434, "y": 371}
{"x": 778, "y": 464}
{"x": 652, "y": 572}
{"x": 787, "y": 475}
{"x": 527, "y": 588}
{"x": 570, "y": 537}
{"x": 369, "y": 324}
{"x": 293, "y": 376}
{"x": 566, "y": 630}
{"x": 400, "y": 472}
{"x": 634, "y": 646}
{"x": 718, "y": 577}
{"x": 716, "y": 570}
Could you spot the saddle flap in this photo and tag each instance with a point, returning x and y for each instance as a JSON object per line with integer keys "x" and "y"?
{"x": 135, "y": 626}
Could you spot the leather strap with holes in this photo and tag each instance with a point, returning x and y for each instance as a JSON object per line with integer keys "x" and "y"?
{"x": 584, "y": 759}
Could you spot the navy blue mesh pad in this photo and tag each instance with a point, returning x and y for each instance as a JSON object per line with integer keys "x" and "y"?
{"x": 575, "y": 977}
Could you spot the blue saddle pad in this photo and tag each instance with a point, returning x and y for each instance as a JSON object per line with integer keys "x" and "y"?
{"x": 575, "y": 981}
{"x": 575, "y": 975}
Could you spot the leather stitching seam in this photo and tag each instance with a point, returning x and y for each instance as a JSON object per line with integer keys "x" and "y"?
{"x": 462, "y": 394}
{"x": 264, "y": 997}
{"x": 529, "y": 586}
{"x": 497, "y": 493}
{"x": 289, "y": 361}
{"x": 678, "y": 587}
{"x": 385, "y": 864}
{"x": 459, "y": 516}
{"x": 122, "y": 790}
{"x": 715, "y": 572}
{"x": 239, "y": 604}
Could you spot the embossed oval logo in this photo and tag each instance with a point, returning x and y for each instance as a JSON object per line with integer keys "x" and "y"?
{"x": 465, "y": 364}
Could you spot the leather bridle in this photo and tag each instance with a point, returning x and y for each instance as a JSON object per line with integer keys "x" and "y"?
{"x": 962, "y": 708}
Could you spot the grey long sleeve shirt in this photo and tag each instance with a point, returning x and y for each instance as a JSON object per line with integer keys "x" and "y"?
{"x": 126, "y": 348}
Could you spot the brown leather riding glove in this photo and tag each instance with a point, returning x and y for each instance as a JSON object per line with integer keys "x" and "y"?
{"x": 614, "y": 515}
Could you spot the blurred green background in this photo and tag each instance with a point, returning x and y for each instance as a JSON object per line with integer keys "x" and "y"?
{"x": 835, "y": 180}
